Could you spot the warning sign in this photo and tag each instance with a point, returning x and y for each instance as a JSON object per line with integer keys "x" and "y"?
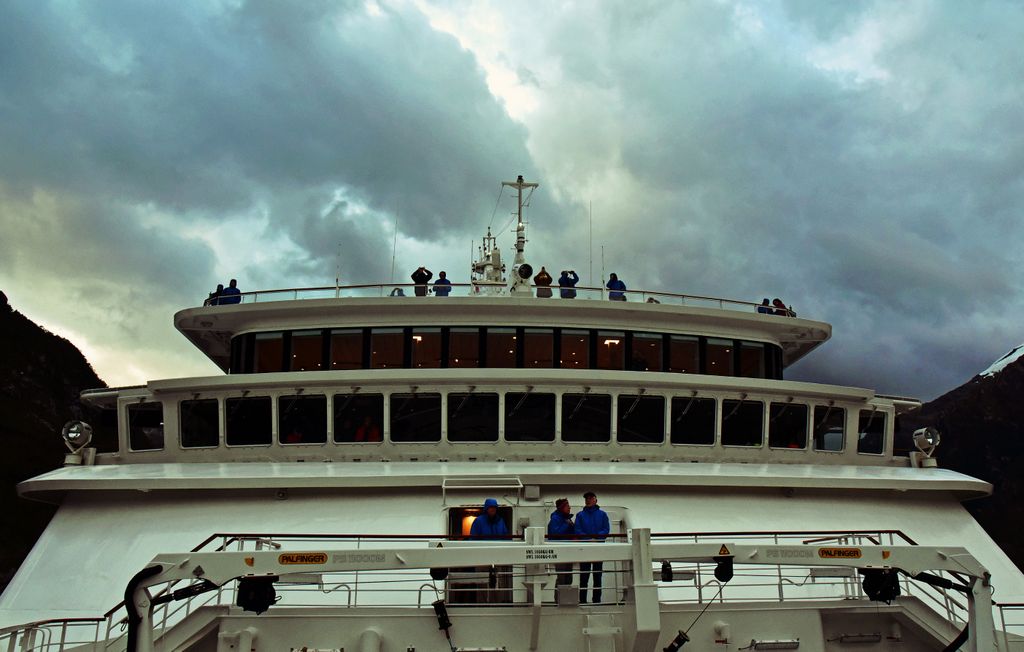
{"x": 839, "y": 553}
{"x": 290, "y": 558}
{"x": 723, "y": 551}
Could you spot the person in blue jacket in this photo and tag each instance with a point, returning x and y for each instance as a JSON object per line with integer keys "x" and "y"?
{"x": 560, "y": 528}
{"x": 567, "y": 281}
{"x": 442, "y": 286}
{"x": 231, "y": 294}
{"x": 616, "y": 286}
{"x": 489, "y": 525}
{"x": 591, "y": 525}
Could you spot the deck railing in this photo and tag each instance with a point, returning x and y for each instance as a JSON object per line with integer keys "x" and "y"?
{"x": 691, "y": 583}
{"x": 554, "y": 292}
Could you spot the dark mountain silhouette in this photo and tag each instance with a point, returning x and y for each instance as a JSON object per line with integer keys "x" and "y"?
{"x": 41, "y": 376}
{"x": 982, "y": 428}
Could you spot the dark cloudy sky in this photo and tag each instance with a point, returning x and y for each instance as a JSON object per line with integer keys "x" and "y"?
{"x": 862, "y": 160}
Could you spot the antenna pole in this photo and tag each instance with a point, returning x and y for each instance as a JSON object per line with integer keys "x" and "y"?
{"x": 590, "y": 280}
{"x": 519, "y": 184}
{"x": 394, "y": 250}
{"x": 602, "y": 268}
{"x": 337, "y": 274}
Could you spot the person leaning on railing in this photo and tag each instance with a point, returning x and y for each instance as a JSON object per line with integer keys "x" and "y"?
{"x": 617, "y": 288}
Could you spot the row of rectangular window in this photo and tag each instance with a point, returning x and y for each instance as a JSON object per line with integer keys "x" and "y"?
{"x": 528, "y": 417}
{"x": 539, "y": 348}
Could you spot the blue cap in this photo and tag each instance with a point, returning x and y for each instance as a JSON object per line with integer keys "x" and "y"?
{"x": 490, "y": 502}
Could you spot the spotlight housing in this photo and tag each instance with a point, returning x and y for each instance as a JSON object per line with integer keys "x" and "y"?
{"x": 927, "y": 440}
{"x": 77, "y": 435}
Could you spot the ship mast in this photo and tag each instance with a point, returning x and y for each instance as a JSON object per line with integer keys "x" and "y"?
{"x": 519, "y": 280}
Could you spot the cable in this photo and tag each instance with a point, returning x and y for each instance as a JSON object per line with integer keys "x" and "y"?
{"x": 501, "y": 190}
{"x": 722, "y": 586}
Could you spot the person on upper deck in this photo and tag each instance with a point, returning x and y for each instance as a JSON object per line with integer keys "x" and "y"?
{"x": 765, "y": 308}
{"x": 543, "y": 282}
{"x": 616, "y": 286}
{"x": 231, "y": 294}
{"x": 489, "y": 525}
{"x": 560, "y": 528}
{"x": 420, "y": 277}
{"x": 442, "y": 286}
{"x": 568, "y": 281}
{"x": 592, "y": 524}
{"x": 214, "y": 299}
{"x": 397, "y": 292}
{"x": 780, "y": 308}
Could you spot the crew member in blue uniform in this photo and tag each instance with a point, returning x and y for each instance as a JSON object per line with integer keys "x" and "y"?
{"x": 591, "y": 525}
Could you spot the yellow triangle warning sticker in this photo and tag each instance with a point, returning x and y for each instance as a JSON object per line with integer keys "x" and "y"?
{"x": 723, "y": 550}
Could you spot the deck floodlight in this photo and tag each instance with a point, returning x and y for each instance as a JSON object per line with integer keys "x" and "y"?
{"x": 77, "y": 435}
{"x": 438, "y": 574}
{"x": 256, "y": 593}
{"x": 927, "y": 440}
{"x": 666, "y": 571}
{"x": 881, "y": 584}
{"x": 723, "y": 571}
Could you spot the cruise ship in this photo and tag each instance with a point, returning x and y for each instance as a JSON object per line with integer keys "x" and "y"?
{"x": 321, "y": 493}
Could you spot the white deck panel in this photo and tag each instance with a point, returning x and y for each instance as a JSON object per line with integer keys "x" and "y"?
{"x": 98, "y": 540}
{"x": 248, "y": 475}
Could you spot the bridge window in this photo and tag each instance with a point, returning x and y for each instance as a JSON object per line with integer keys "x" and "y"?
{"x": 529, "y": 417}
{"x": 742, "y": 423}
{"x": 575, "y": 349}
{"x": 387, "y": 348}
{"x": 586, "y": 417}
{"x": 199, "y": 422}
{"x": 248, "y": 421}
{"x": 871, "y": 432}
{"x": 472, "y": 417}
{"x": 268, "y": 353}
{"x": 415, "y": 417}
{"x": 787, "y": 425}
{"x": 426, "y": 348}
{"x": 641, "y": 419}
{"x": 611, "y": 350}
{"x": 829, "y": 428}
{"x": 752, "y": 360}
{"x": 646, "y": 353}
{"x": 347, "y": 349}
{"x": 684, "y": 354}
{"x": 146, "y": 426}
{"x": 719, "y": 357}
{"x": 302, "y": 419}
{"x": 501, "y": 348}
{"x": 538, "y": 348}
{"x": 307, "y": 351}
{"x": 358, "y": 418}
{"x": 693, "y": 421}
{"x": 464, "y": 347}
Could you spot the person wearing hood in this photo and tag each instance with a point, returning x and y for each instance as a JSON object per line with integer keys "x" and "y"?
{"x": 765, "y": 308}
{"x": 592, "y": 524}
{"x": 617, "y": 288}
{"x": 567, "y": 281}
{"x": 561, "y": 528}
{"x": 543, "y": 282}
{"x": 489, "y": 525}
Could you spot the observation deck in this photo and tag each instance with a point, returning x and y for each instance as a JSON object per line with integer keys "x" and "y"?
{"x": 214, "y": 328}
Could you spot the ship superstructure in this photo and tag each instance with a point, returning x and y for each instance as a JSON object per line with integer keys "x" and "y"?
{"x": 350, "y": 442}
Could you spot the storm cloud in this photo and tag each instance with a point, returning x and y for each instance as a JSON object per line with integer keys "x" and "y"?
{"x": 860, "y": 160}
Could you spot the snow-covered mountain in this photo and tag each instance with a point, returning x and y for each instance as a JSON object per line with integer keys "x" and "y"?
{"x": 1015, "y": 354}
